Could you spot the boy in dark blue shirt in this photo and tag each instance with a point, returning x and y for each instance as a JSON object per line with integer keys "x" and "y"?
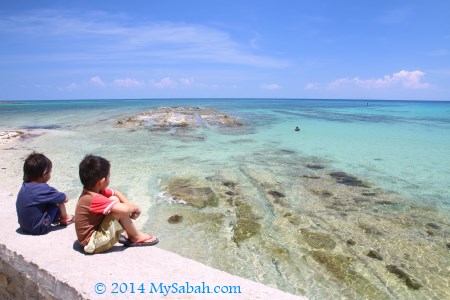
{"x": 38, "y": 204}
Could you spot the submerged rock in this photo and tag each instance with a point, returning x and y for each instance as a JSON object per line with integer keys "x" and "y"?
{"x": 229, "y": 184}
{"x": 360, "y": 200}
{"x": 276, "y": 194}
{"x": 286, "y": 151}
{"x": 368, "y": 229}
{"x": 351, "y": 242}
{"x": 182, "y": 117}
{"x": 244, "y": 229}
{"x": 374, "y": 254}
{"x": 385, "y": 202}
{"x": 434, "y": 226}
{"x": 318, "y": 240}
{"x": 315, "y": 167}
{"x": 344, "y": 178}
{"x": 369, "y": 194}
{"x": 294, "y": 219}
{"x": 192, "y": 193}
{"x": 175, "y": 219}
{"x": 340, "y": 266}
{"x": 410, "y": 282}
{"x": 244, "y": 210}
{"x": 276, "y": 197}
{"x": 323, "y": 194}
{"x": 311, "y": 177}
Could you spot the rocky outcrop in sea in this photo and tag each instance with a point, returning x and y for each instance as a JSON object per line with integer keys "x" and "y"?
{"x": 9, "y": 136}
{"x": 170, "y": 117}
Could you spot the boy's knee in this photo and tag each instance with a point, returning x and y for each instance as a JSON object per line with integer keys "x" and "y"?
{"x": 119, "y": 215}
{"x": 114, "y": 198}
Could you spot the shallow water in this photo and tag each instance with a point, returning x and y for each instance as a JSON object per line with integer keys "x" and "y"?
{"x": 277, "y": 207}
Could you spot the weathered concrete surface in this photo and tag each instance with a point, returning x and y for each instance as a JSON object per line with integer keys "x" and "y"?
{"x": 52, "y": 266}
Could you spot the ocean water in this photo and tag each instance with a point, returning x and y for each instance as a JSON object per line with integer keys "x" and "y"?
{"x": 334, "y": 210}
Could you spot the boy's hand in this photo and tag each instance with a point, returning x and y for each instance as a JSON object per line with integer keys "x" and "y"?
{"x": 135, "y": 214}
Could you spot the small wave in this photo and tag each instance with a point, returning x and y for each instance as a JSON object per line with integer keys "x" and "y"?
{"x": 163, "y": 198}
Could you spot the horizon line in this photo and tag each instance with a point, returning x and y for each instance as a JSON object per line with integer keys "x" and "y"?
{"x": 224, "y": 98}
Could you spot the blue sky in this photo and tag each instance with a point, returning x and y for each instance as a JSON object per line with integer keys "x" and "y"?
{"x": 225, "y": 49}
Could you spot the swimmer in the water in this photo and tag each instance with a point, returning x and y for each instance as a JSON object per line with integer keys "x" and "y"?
{"x": 297, "y": 129}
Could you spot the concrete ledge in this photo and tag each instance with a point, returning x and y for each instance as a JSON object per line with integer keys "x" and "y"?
{"x": 22, "y": 279}
{"x": 57, "y": 269}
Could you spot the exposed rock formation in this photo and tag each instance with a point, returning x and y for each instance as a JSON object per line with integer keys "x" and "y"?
{"x": 168, "y": 117}
{"x": 8, "y": 136}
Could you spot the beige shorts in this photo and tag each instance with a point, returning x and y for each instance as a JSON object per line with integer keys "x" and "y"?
{"x": 106, "y": 236}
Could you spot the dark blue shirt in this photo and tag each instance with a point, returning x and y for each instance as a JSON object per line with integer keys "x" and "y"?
{"x": 36, "y": 205}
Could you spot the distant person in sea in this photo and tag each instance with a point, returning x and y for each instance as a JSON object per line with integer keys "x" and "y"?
{"x": 297, "y": 129}
{"x": 39, "y": 206}
{"x": 102, "y": 214}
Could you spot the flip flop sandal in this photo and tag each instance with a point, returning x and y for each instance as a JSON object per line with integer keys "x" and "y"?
{"x": 141, "y": 243}
{"x": 123, "y": 239}
{"x": 67, "y": 222}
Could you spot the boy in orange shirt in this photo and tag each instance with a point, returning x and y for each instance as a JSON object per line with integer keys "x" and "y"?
{"x": 102, "y": 213}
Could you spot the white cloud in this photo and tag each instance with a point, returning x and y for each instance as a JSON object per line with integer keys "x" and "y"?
{"x": 270, "y": 86}
{"x": 404, "y": 79}
{"x": 129, "y": 83}
{"x": 97, "y": 81}
{"x": 104, "y": 38}
{"x": 164, "y": 83}
{"x": 410, "y": 79}
{"x": 187, "y": 81}
{"x": 311, "y": 86}
{"x": 70, "y": 87}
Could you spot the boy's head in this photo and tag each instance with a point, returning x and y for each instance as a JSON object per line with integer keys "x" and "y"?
{"x": 93, "y": 169}
{"x": 37, "y": 167}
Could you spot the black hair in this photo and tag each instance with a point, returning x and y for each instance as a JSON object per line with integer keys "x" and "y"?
{"x": 35, "y": 166}
{"x": 92, "y": 169}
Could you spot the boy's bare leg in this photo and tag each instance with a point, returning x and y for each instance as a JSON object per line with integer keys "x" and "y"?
{"x": 64, "y": 215}
{"x": 132, "y": 232}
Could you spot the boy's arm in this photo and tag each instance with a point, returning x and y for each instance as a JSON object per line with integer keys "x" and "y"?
{"x": 123, "y": 200}
{"x": 126, "y": 208}
{"x": 65, "y": 201}
{"x": 121, "y": 197}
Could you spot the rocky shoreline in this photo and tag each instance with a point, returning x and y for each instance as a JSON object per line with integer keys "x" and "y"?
{"x": 10, "y": 136}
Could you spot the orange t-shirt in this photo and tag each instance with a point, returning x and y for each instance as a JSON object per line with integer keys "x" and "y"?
{"x": 90, "y": 212}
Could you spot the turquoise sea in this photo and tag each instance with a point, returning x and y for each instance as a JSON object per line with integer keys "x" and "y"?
{"x": 331, "y": 211}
